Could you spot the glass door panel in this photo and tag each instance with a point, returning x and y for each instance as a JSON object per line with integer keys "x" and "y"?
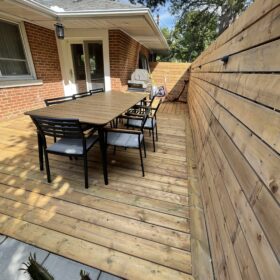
{"x": 79, "y": 67}
{"x": 95, "y": 65}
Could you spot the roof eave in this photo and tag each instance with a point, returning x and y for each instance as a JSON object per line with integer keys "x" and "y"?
{"x": 95, "y": 13}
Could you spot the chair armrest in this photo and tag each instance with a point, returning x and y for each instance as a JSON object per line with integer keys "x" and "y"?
{"x": 89, "y": 132}
{"x": 140, "y": 107}
{"x": 132, "y": 117}
{"x": 123, "y": 130}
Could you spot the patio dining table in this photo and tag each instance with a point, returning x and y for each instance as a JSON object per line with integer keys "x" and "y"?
{"x": 97, "y": 110}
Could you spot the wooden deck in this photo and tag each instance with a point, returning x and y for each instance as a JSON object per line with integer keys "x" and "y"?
{"x": 135, "y": 228}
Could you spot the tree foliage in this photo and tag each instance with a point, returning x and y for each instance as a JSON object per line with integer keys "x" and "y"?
{"x": 225, "y": 10}
{"x": 191, "y": 35}
{"x": 199, "y": 22}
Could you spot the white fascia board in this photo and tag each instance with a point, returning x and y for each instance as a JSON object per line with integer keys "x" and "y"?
{"x": 155, "y": 26}
{"x": 107, "y": 12}
{"x": 36, "y": 6}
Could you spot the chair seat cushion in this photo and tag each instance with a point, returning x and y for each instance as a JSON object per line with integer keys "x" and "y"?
{"x": 137, "y": 123}
{"x": 71, "y": 146}
{"x": 123, "y": 139}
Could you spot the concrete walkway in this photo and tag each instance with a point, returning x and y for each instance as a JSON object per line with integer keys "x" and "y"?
{"x": 14, "y": 253}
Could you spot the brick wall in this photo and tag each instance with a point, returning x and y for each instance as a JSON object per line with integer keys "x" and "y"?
{"x": 15, "y": 101}
{"x": 124, "y": 54}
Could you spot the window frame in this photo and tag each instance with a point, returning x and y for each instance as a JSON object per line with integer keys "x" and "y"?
{"x": 27, "y": 53}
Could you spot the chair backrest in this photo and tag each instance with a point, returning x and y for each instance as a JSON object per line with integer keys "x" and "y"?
{"x": 60, "y": 128}
{"x": 155, "y": 104}
{"x": 96, "y": 90}
{"x": 58, "y": 100}
{"x": 82, "y": 94}
{"x": 145, "y": 116}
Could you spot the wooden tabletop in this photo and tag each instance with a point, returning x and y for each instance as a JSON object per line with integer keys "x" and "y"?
{"x": 98, "y": 109}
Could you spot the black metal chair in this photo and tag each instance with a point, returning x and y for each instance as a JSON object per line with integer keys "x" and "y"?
{"x": 96, "y": 90}
{"x": 58, "y": 100}
{"x": 72, "y": 140}
{"x": 128, "y": 138}
{"x": 151, "y": 122}
{"x": 81, "y": 95}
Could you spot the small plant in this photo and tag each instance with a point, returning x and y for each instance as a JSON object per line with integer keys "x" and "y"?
{"x": 84, "y": 275}
{"x": 35, "y": 270}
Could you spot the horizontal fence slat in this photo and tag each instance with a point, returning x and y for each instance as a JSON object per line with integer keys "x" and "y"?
{"x": 251, "y": 114}
{"x": 257, "y": 87}
{"x": 265, "y": 58}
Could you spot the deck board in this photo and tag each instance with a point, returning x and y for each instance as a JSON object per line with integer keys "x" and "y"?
{"x": 135, "y": 228}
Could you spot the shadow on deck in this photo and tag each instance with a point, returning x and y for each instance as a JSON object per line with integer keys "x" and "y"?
{"x": 136, "y": 228}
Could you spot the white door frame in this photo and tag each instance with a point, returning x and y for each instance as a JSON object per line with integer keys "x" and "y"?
{"x": 79, "y": 36}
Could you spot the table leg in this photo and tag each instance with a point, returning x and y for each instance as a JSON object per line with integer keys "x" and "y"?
{"x": 103, "y": 153}
{"x": 40, "y": 151}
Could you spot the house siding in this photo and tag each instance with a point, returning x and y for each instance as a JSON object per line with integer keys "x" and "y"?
{"x": 124, "y": 53}
{"x": 16, "y": 100}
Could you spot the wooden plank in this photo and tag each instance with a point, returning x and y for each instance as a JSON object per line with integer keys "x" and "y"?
{"x": 246, "y": 263}
{"x": 252, "y": 248}
{"x": 201, "y": 258}
{"x": 255, "y": 191}
{"x": 250, "y": 146}
{"x": 95, "y": 255}
{"x": 253, "y": 115}
{"x": 264, "y": 58}
{"x": 172, "y": 258}
{"x": 103, "y": 216}
{"x": 257, "y": 87}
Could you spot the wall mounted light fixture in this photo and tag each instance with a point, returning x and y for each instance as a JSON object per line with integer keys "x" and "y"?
{"x": 59, "y": 30}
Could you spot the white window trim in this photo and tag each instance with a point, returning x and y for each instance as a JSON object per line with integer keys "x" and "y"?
{"x": 27, "y": 52}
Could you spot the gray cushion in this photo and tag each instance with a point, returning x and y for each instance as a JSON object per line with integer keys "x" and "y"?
{"x": 123, "y": 139}
{"x": 137, "y": 123}
{"x": 71, "y": 146}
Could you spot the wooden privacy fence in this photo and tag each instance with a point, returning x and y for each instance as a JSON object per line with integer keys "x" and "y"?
{"x": 235, "y": 114}
{"x": 172, "y": 76}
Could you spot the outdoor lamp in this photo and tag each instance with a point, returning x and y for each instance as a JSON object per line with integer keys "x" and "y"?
{"x": 59, "y": 30}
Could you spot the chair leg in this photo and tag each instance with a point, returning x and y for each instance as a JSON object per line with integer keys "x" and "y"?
{"x": 144, "y": 146}
{"x": 154, "y": 145}
{"x": 115, "y": 148}
{"x": 141, "y": 158}
{"x": 156, "y": 132}
{"x": 40, "y": 151}
{"x": 47, "y": 166}
{"x": 86, "y": 171}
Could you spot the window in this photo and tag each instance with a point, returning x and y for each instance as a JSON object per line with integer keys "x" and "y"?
{"x": 13, "y": 60}
{"x": 143, "y": 62}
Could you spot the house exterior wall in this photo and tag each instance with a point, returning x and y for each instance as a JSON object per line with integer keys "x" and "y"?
{"x": 16, "y": 100}
{"x": 124, "y": 53}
